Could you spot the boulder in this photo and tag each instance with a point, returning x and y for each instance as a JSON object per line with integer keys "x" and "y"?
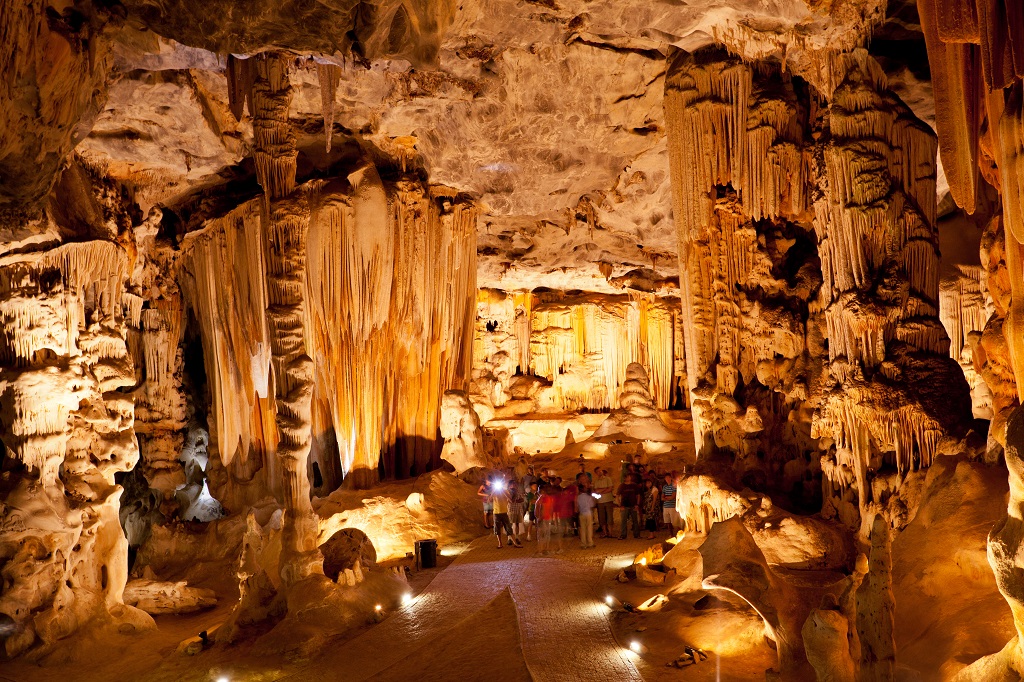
{"x": 345, "y": 549}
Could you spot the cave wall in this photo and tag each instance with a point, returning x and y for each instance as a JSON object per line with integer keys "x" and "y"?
{"x": 843, "y": 334}
{"x": 578, "y": 343}
{"x": 67, "y": 423}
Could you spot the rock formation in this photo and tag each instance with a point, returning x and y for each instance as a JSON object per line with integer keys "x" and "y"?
{"x": 262, "y": 270}
{"x": 460, "y": 428}
{"x": 582, "y": 345}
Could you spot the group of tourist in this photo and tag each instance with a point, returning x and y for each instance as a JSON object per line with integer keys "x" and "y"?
{"x": 520, "y": 503}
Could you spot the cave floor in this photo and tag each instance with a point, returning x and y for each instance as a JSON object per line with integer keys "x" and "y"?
{"x": 491, "y": 614}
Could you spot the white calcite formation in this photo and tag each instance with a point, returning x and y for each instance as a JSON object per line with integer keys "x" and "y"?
{"x": 69, "y": 428}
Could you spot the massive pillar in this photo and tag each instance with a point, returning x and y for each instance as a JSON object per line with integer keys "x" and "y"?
{"x": 892, "y": 393}
{"x": 827, "y": 305}
{"x": 749, "y": 271}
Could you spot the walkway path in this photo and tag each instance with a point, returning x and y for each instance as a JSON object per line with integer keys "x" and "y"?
{"x": 564, "y": 633}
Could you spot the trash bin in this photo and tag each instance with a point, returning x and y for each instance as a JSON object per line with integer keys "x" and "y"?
{"x": 426, "y": 554}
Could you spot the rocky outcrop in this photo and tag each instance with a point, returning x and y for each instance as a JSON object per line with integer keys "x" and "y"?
{"x": 69, "y": 429}
{"x": 460, "y": 428}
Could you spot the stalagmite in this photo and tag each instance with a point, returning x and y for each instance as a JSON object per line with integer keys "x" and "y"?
{"x": 460, "y": 428}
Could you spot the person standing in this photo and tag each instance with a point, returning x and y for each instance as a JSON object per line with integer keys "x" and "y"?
{"x": 546, "y": 502}
{"x": 516, "y": 511}
{"x": 529, "y": 478}
{"x": 485, "y": 492}
{"x": 585, "y": 505}
{"x": 530, "y": 516}
{"x": 670, "y": 515}
{"x": 629, "y": 499}
{"x": 605, "y": 487}
{"x": 500, "y": 503}
{"x": 569, "y": 507}
{"x": 651, "y": 508}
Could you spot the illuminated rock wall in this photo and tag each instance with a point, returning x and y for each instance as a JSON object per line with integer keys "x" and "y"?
{"x": 976, "y": 55}
{"x": 67, "y": 422}
{"x": 849, "y": 328}
{"x": 388, "y": 287}
{"x": 580, "y": 343}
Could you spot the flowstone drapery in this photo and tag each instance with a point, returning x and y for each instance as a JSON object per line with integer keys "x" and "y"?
{"x": 800, "y": 298}
{"x": 581, "y": 343}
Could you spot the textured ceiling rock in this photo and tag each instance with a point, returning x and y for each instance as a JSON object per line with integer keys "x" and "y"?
{"x": 165, "y": 132}
{"x": 549, "y": 113}
{"x": 409, "y": 29}
{"x": 53, "y": 62}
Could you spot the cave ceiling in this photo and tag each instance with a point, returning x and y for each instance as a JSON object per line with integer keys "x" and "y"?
{"x": 548, "y": 113}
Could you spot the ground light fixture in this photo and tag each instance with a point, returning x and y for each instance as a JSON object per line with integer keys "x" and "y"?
{"x": 378, "y": 608}
{"x": 608, "y": 600}
{"x": 635, "y": 647}
{"x": 407, "y": 599}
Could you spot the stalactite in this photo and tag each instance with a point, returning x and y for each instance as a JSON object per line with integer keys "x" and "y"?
{"x": 391, "y": 327}
{"x": 224, "y": 282}
{"x": 241, "y": 74}
{"x": 1011, "y": 165}
{"x": 274, "y": 150}
{"x": 735, "y": 153}
{"x": 964, "y": 314}
{"x": 956, "y": 78}
{"x": 329, "y": 76}
{"x": 584, "y": 345}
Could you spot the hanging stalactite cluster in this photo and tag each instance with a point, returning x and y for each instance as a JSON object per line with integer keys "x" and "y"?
{"x": 581, "y": 345}
{"x": 859, "y": 342}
